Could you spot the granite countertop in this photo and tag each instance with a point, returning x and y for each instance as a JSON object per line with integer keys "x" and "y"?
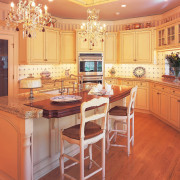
{"x": 154, "y": 80}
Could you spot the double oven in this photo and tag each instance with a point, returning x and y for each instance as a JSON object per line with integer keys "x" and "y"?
{"x": 91, "y": 66}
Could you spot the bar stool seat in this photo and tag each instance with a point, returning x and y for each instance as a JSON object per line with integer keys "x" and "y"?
{"x": 119, "y": 111}
{"x": 91, "y": 130}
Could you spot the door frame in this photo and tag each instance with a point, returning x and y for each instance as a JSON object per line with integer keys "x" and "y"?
{"x": 12, "y": 38}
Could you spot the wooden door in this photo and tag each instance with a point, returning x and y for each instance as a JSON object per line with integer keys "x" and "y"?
{"x": 7, "y": 65}
{"x": 164, "y": 105}
{"x": 52, "y": 46}
{"x": 36, "y": 48}
{"x": 143, "y": 47}
{"x": 68, "y": 47}
{"x": 127, "y": 47}
{"x": 155, "y": 102}
{"x": 111, "y": 48}
{"x": 175, "y": 111}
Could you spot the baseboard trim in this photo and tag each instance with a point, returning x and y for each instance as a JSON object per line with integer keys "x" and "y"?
{"x": 46, "y": 166}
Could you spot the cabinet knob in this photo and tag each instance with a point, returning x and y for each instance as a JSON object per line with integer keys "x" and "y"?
{"x": 135, "y": 60}
{"x": 45, "y": 59}
{"x": 178, "y": 100}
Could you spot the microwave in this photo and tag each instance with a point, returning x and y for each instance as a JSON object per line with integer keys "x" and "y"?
{"x": 91, "y": 64}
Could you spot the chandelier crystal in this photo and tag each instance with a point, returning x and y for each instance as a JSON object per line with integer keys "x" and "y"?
{"x": 30, "y": 16}
{"x": 93, "y": 29}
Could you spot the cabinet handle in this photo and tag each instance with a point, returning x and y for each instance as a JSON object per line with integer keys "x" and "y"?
{"x": 134, "y": 60}
{"x": 158, "y": 93}
{"x": 173, "y": 91}
{"x": 45, "y": 59}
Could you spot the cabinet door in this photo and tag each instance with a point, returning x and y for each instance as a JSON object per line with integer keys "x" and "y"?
{"x": 143, "y": 47}
{"x": 111, "y": 48}
{"x": 52, "y": 46}
{"x": 142, "y": 100}
{"x": 36, "y": 48}
{"x": 155, "y": 101}
{"x": 98, "y": 44}
{"x": 175, "y": 110}
{"x": 127, "y": 47}
{"x": 82, "y": 42}
{"x": 68, "y": 47}
{"x": 164, "y": 105}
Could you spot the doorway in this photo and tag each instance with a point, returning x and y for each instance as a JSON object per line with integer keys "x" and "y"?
{"x": 6, "y": 65}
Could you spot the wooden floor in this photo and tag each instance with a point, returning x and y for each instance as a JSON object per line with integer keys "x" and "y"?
{"x": 155, "y": 156}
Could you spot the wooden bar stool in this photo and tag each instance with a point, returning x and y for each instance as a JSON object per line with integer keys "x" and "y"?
{"x": 84, "y": 134}
{"x": 122, "y": 115}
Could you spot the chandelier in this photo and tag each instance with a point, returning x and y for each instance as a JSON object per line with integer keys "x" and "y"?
{"x": 30, "y": 16}
{"x": 93, "y": 29}
{"x": 87, "y": 3}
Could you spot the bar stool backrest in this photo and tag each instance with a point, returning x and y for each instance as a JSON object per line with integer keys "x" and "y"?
{"x": 94, "y": 103}
{"x": 132, "y": 100}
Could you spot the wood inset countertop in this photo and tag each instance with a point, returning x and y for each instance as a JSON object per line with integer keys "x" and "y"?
{"x": 58, "y": 110}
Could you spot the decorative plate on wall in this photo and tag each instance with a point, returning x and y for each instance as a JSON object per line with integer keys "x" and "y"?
{"x": 139, "y": 72}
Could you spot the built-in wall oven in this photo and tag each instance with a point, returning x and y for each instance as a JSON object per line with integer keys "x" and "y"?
{"x": 91, "y": 66}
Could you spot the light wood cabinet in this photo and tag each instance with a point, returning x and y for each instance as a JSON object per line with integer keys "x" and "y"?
{"x": 42, "y": 49}
{"x": 168, "y": 35}
{"x": 175, "y": 110}
{"x": 83, "y": 44}
{"x": 165, "y": 103}
{"x": 111, "y": 48}
{"x": 135, "y": 46}
{"x": 68, "y": 47}
{"x": 142, "y": 98}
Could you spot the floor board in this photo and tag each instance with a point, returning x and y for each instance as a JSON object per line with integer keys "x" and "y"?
{"x": 155, "y": 156}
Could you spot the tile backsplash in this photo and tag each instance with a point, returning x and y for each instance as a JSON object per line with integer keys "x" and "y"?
{"x": 154, "y": 70}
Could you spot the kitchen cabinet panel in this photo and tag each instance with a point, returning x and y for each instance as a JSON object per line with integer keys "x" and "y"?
{"x": 155, "y": 102}
{"x": 68, "y": 47}
{"x": 127, "y": 50}
{"x": 42, "y": 49}
{"x": 111, "y": 48}
{"x": 175, "y": 111}
{"x": 83, "y": 44}
{"x": 52, "y": 46}
{"x": 136, "y": 46}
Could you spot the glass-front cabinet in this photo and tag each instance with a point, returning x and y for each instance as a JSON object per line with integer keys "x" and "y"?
{"x": 168, "y": 35}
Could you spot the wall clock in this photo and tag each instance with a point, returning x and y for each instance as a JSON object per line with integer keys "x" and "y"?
{"x": 139, "y": 72}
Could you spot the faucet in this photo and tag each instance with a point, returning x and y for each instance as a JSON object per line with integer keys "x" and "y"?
{"x": 80, "y": 81}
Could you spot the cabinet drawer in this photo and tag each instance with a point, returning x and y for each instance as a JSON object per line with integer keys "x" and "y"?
{"x": 161, "y": 88}
{"x": 127, "y": 83}
{"x": 175, "y": 92}
{"x": 141, "y": 84}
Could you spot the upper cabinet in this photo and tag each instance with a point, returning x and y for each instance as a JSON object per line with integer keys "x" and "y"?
{"x": 68, "y": 47}
{"x": 168, "y": 35}
{"x": 135, "y": 46}
{"x": 110, "y": 51}
{"x": 42, "y": 49}
{"x": 83, "y": 44}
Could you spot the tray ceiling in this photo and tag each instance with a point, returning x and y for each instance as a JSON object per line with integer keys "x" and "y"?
{"x": 109, "y": 11}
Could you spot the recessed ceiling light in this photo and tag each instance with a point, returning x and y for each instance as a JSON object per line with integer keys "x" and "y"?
{"x": 165, "y": 0}
{"x": 117, "y": 13}
{"x": 123, "y": 5}
{"x": 50, "y": 0}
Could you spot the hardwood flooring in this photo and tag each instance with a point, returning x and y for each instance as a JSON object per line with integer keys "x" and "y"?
{"x": 155, "y": 156}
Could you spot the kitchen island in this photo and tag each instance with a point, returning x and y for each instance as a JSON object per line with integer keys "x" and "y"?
{"x": 29, "y": 135}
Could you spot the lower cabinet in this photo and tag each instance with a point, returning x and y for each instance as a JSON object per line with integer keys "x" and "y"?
{"x": 142, "y": 98}
{"x": 174, "y": 110}
{"x": 165, "y": 104}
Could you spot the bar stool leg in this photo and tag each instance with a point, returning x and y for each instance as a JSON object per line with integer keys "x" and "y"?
{"x": 90, "y": 156}
{"x": 128, "y": 135}
{"x": 62, "y": 159}
{"x": 115, "y": 133}
{"x": 103, "y": 158}
{"x": 82, "y": 160}
{"x": 133, "y": 131}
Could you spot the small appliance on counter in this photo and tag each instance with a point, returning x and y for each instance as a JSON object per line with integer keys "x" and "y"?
{"x": 45, "y": 74}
